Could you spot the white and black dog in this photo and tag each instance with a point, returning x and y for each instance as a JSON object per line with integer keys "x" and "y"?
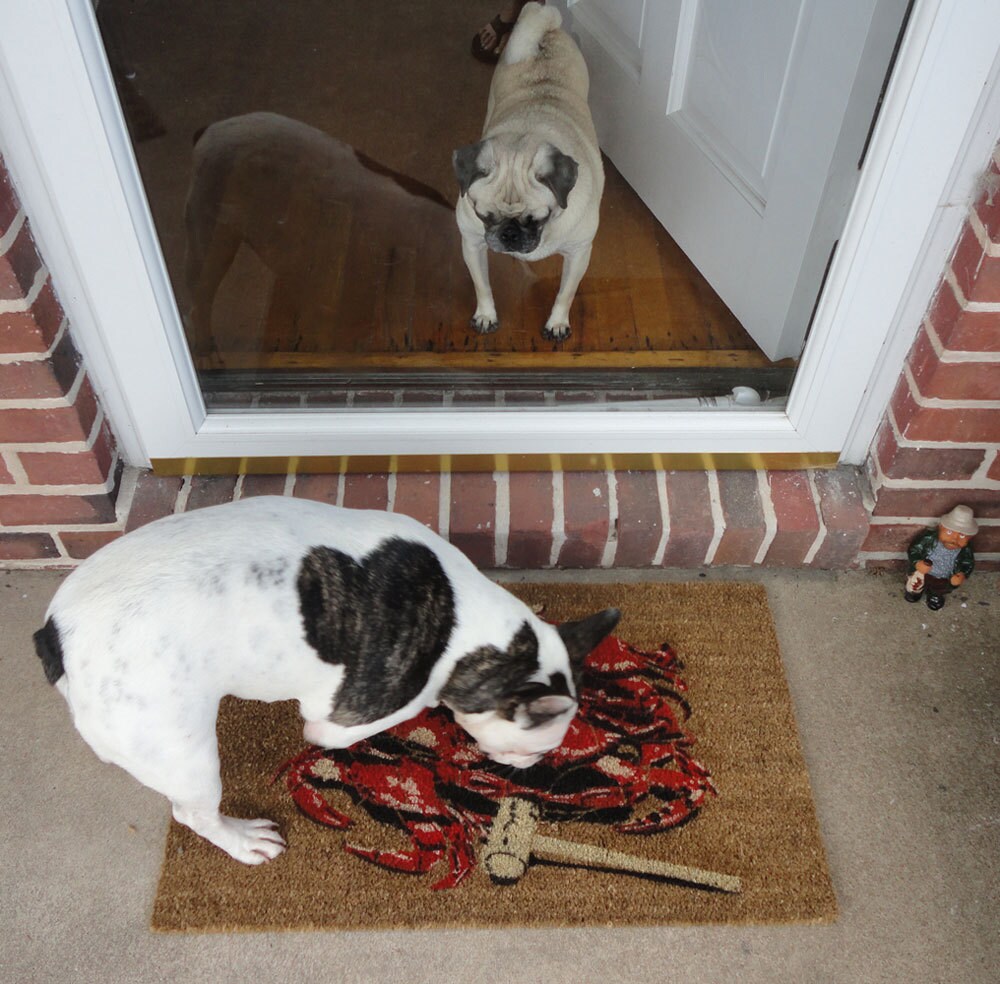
{"x": 365, "y": 618}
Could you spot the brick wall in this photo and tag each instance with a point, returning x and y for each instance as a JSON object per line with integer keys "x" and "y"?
{"x": 939, "y": 444}
{"x": 59, "y": 470}
{"x": 597, "y": 519}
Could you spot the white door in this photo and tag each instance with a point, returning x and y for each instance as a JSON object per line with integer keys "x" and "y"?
{"x": 741, "y": 125}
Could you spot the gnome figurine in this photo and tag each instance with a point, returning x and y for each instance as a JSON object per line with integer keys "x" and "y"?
{"x": 941, "y": 559}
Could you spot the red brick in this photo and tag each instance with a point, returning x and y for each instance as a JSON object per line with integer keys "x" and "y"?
{"x": 5, "y": 476}
{"x": 19, "y": 266}
{"x": 986, "y": 289}
{"x": 987, "y": 540}
{"x": 966, "y": 260}
{"x": 692, "y": 527}
{"x": 640, "y": 518}
{"x": 418, "y": 495}
{"x": 472, "y": 519}
{"x": 257, "y": 485}
{"x": 210, "y": 490}
{"x": 74, "y": 468}
{"x": 952, "y": 380}
{"x": 922, "y": 358}
{"x": 56, "y": 468}
{"x": 9, "y": 204}
{"x": 964, "y": 425}
{"x": 928, "y": 463}
{"x": 844, "y": 515}
{"x": 529, "y": 543}
{"x": 902, "y": 406}
{"x": 797, "y": 520}
{"x": 154, "y": 498}
{"x": 921, "y": 424}
{"x": 52, "y": 510}
{"x": 891, "y": 537}
{"x": 41, "y": 379}
{"x": 32, "y": 331}
{"x": 586, "y": 513}
{"x": 932, "y": 502}
{"x": 321, "y": 488}
{"x": 47, "y": 426}
{"x": 886, "y": 538}
{"x": 960, "y": 330}
{"x": 994, "y": 469}
{"x": 81, "y": 544}
{"x": 367, "y": 491}
{"x": 743, "y": 515}
{"x": 27, "y": 546}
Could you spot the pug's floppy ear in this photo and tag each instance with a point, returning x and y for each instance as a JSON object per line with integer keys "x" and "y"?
{"x": 581, "y": 637}
{"x": 557, "y": 171}
{"x": 470, "y": 163}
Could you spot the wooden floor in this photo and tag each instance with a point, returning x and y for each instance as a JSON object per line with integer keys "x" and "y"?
{"x": 388, "y": 289}
{"x": 368, "y": 282}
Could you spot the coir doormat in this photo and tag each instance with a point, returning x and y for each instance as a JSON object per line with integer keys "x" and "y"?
{"x": 685, "y": 754}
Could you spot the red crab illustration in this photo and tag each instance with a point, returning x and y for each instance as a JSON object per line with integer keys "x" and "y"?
{"x": 428, "y": 778}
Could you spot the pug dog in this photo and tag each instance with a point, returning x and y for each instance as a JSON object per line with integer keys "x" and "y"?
{"x": 532, "y": 185}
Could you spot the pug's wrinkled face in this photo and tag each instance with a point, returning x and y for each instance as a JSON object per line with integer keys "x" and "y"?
{"x": 515, "y": 190}
{"x": 520, "y": 233}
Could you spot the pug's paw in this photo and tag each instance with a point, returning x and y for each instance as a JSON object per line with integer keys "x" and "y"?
{"x": 556, "y": 331}
{"x": 484, "y": 324}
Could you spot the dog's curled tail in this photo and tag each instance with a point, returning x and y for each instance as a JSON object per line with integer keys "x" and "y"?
{"x": 533, "y": 24}
{"x": 48, "y": 645}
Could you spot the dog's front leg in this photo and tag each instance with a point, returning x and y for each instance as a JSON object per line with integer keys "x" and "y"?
{"x": 484, "y": 321}
{"x": 574, "y": 267}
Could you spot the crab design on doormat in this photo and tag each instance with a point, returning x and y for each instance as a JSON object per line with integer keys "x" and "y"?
{"x": 624, "y": 752}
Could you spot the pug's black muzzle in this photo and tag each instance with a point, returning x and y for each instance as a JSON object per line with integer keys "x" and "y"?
{"x": 513, "y": 236}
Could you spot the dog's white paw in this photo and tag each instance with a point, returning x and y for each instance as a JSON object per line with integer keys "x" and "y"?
{"x": 249, "y": 841}
{"x": 484, "y": 324}
{"x": 556, "y": 331}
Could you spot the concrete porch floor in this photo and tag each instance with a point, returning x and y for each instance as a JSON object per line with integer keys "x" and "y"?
{"x": 899, "y": 715}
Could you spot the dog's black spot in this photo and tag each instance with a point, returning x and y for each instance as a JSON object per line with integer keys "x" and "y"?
{"x": 560, "y": 176}
{"x": 582, "y": 636}
{"x": 268, "y": 574}
{"x": 525, "y": 696}
{"x": 488, "y": 677}
{"x": 48, "y": 646}
{"x": 386, "y": 619}
{"x": 465, "y": 163}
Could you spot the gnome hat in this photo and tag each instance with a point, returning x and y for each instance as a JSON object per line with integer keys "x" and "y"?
{"x": 960, "y": 520}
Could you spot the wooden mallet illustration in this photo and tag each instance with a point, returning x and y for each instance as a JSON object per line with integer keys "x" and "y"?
{"x": 512, "y": 842}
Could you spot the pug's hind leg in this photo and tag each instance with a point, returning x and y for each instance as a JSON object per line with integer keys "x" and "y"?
{"x": 574, "y": 267}
{"x": 485, "y": 320}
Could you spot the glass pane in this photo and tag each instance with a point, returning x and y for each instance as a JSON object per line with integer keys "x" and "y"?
{"x": 297, "y": 159}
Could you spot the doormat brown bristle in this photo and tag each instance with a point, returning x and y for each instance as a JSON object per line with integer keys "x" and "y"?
{"x": 753, "y": 820}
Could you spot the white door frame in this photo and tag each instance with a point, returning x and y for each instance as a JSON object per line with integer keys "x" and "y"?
{"x": 66, "y": 147}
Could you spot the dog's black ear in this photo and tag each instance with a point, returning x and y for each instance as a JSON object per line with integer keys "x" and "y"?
{"x": 468, "y": 166}
{"x": 582, "y": 637}
{"x": 558, "y": 171}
